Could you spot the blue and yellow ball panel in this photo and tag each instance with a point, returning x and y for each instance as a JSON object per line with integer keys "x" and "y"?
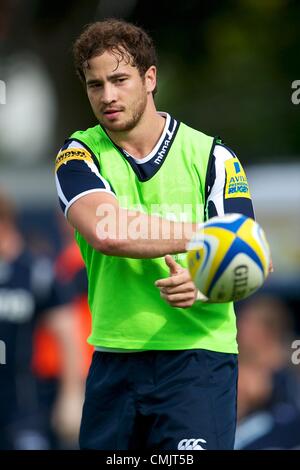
{"x": 237, "y": 247}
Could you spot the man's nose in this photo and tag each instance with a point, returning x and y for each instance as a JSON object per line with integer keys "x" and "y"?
{"x": 109, "y": 93}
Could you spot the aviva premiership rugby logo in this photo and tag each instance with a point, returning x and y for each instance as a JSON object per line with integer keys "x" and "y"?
{"x": 236, "y": 180}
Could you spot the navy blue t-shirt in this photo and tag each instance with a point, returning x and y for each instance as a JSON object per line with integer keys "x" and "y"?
{"x": 28, "y": 288}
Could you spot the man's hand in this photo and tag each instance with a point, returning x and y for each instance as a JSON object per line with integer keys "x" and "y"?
{"x": 178, "y": 289}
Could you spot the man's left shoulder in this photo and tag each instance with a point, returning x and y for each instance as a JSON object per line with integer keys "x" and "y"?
{"x": 193, "y": 131}
{"x": 201, "y": 139}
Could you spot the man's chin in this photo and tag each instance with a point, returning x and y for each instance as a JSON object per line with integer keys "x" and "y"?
{"x": 117, "y": 126}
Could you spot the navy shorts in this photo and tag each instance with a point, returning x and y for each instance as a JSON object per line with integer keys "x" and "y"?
{"x": 160, "y": 400}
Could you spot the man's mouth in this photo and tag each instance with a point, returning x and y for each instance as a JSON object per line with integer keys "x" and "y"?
{"x": 112, "y": 113}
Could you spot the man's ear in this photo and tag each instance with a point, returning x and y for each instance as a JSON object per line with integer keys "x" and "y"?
{"x": 150, "y": 79}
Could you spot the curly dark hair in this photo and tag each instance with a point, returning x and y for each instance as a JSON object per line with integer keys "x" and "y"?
{"x": 127, "y": 41}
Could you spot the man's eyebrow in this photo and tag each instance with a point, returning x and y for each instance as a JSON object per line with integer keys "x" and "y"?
{"x": 92, "y": 81}
{"x": 118, "y": 74}
{"x": 113, "y": 76}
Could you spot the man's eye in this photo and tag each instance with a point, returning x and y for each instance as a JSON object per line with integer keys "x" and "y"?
{"x": 120, "y": 80}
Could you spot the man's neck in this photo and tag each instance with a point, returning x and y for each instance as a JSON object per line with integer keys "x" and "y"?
{"x": 141, "y": 140}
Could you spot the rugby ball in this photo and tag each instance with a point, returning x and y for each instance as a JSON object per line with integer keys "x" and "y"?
{"x": 228, "y": 258}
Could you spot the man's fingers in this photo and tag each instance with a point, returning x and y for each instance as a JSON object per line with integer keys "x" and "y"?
{"x": 187, "y": 287}
{"x": 174, "y": 267}
{"x": 176, "y": 298}
{"x": 173, "y": 280}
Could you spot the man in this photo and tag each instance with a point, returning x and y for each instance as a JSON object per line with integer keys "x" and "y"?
{"x": 29, "y": 293}
{"x": 134, "y": 187}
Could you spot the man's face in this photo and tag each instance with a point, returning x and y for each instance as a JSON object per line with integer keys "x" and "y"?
{"x": 116, "y": 91}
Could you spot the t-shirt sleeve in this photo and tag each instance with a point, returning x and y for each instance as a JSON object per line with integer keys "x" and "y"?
{"x": 227, "y": 188}
{"x": 77, "y": 173}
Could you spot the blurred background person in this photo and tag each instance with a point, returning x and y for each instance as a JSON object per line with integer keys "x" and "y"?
{"x": 269, "y": 384}
{"x": 47, "y": 361}
{"x": 29, "y": 293}
{"x": 266, "y": 330}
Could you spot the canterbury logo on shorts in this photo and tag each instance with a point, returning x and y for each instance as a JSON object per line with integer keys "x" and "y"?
{"x": 191, "y": 444}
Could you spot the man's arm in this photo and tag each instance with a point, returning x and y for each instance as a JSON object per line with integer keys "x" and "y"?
{"x": 119, "y": 232}
{"x": 66, "y": 415}
{"x": 90, "y": 205}
{"x": 226, "y": 186}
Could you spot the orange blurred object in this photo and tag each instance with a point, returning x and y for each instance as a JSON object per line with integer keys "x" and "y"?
{"x": 46, "y": 361}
